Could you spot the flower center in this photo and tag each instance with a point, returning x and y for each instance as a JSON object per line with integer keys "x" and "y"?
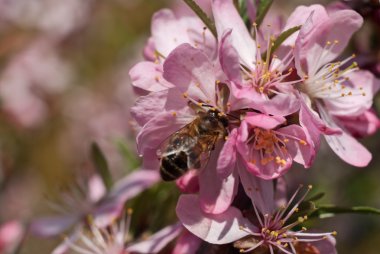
{"x": 330, "y": 81}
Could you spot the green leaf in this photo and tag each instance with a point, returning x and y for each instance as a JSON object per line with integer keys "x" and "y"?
{"x": 280, "y": 39}
{"x": 324, "y": 211}
{"x": 130, "y": 159}
{"x": 202, "y": 15}
{"x": 264, "y": 6}
{"x": 101, "y": 165}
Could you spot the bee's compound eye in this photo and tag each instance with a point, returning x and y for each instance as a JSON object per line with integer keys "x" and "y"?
{"x": 224, "y": 121}
{"x": 212, "y": 113}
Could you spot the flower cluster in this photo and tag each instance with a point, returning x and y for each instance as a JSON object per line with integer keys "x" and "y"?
{"x": 250, "y": 101}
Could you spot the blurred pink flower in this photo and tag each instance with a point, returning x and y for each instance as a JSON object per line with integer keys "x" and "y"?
{"x": 329, "y": 87}
{"x": 266, "y": 225}
{"x": 94, "y": 201}
{"x": 115, "y": 239}
{"x": 53, "y": 17}
{"x": 11, "y": 234}
{"x": 96, "y": 117}
{"x": 33, "y": 76}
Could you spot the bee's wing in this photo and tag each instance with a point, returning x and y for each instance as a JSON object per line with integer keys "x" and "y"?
{"x": 210, "y": 143}
{"x": 166, "y": 145}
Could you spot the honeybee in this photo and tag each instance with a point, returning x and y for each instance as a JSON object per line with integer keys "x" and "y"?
{"x": 191, "y": 146}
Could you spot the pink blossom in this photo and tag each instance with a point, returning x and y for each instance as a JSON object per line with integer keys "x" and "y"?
{"x": 53, "y": 17}
{"x": 330, "y": 88}
{"x": 101, "y": 205}
{"x": 261, "y": 80}
{"x": 114, "y": 239}
{"x": 196, "y": 79}
{"x": 169, "y": 31}
{"x": 28, "y": 82}
{"x": 11, "y": 234}
{"x": 263, "y": 226}
{"x": 265, "y": 147}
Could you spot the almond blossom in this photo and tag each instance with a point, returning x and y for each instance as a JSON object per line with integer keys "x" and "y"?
{"x": 93, "y": 203}
{"x": 266, "y": 226}
{"x": 332, "y": 89}
{"x": 169, "y": 30}
{"x": 196, "y": 79}
{"x": 265, "y": 146}
{"x": 261, "y": 80}
{"x": 115, "y": 239}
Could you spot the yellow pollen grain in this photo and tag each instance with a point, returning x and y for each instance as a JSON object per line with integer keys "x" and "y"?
{"x": 129, "y": 211}
{"x": 254, "y": 24}
{"x": 303, "y": 142}
{"x": 185, "y": 95}
{"x": 328, "y": 42}
{"x": 342, "y": 94}
{"x": 363, "y": 94}
{"x": 310, "y": 186}
{"x": 350, "y": 93}
{"x": 286, "y": 140}
{"x": 157, "y": 79}
{"x": 174, "y": 113}
{"x": 200, "y": 104}
{"x": 336, "y": 41}
{"x": 334, "y": 233}
{"x": 304, "y": 229}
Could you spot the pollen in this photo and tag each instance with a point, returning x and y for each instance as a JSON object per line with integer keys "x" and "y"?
{"x": 129, "y": 211}
{"x": 303, "y": 142}
{"x": 185, "y": 95}
{"x": 174, "y": 113}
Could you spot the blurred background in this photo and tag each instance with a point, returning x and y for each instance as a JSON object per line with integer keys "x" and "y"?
{"x": 64, "y": 84}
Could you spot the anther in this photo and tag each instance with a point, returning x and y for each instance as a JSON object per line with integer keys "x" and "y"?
{"x": 174, "y": 113}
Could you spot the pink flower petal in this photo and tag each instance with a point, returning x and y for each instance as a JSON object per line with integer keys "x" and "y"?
{"x": 349, "y": 149}
{"x": 133, "y": 184}
{"x": 96, "y": 188}
{"x": 51, "y": 226}
{"x": 187, "y": 243}
{"x": 363, "y": 86}
{"x": 264, "y": 121}
{"x": 260, "y": 191}
{"x": 227, "y": 157}
{"x": 148, "y": 76}
{"x": 215, "y": 193}
{"x": 157, "y": 241}
{"x": 189, "y": 183}
{"x": 190, "y": 70}
{"x": 213, "y": 228}
{"x": 229, "y": 58}
{"x": 302, "y": 153}
{"x": 167, "y": 31}
{"x": 363, "y": 125}
{"x": 299, "y": 17}
{"x": 310, "y": 45}
{"x": 227, "y": 18}
{"x": 148, "y": 106}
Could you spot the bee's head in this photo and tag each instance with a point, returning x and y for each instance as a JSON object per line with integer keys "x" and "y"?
{"x": 217, "y": 117}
